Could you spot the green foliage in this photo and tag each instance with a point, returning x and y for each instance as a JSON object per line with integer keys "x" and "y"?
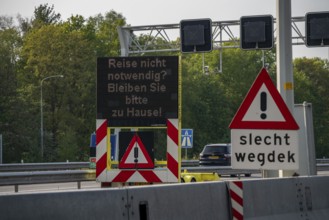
{"x": 106, "y": 34}
{"x": 311, "y": 85}
{"x": 45, "y": 15}
{"x": 210, "y": 101}
{"x": 13, "y": 109}
{"x": 68, "y": 147}
{"x": 46, "y": 46}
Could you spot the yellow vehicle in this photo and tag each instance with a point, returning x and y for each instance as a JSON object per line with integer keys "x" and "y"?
{"x": 198, "y": 177}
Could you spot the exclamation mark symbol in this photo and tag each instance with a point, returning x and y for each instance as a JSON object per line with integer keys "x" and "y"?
{"x": 263, "y": 104}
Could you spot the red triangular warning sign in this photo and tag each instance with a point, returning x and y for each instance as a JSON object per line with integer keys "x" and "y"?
{"x": 136, "y": 156}
{"x": 263, "y": 108}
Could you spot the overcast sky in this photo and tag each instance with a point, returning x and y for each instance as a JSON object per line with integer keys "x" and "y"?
{"x": 148, "y": 12}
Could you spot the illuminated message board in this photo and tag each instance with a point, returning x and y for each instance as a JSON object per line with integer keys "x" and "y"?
{"x": 137, "y": 91}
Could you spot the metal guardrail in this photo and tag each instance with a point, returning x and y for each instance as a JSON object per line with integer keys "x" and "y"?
{"x": 39, "y": 177}
{"x": 39, "y": 173}
{"x": 322, "y": 166}
{"x": 15, "y": 167}
{"x": 323, "y": 160}
{"x": 62, "y": 176}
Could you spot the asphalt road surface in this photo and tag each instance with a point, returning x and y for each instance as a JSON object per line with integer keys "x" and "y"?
{"x": 55, "y": 187}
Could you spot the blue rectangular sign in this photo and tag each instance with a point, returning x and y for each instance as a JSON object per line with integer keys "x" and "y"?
{"x": 187, "y": 138}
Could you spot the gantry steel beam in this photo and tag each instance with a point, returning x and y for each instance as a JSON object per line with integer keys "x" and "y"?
{"x": 145, "y": 39}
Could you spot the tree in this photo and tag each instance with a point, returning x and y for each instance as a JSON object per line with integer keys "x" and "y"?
{"x": 311, "y": 85}
{"x": 70, "y": 49}
{"x": 46, "y": 46}
{"x": 105, "y": 29}
{"x": 210, "y": 101}
{"x": 68, "y": 103}
{"x": 45, "y": 15}
{"x": 13, "y": 108}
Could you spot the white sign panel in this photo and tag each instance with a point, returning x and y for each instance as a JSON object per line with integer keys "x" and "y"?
{"x": 265, "y": 149}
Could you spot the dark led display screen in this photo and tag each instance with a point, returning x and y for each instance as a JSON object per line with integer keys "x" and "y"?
{"x": 137, "y": 91}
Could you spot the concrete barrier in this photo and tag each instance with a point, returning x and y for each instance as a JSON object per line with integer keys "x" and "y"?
{"x": 270, "y": 199}
{"x": 82, "y": 204}
{"x": 173, "y": 201}
{"x": 286, "y": 198}
{"x": 316, "y": 197}
{"x": 206, "y": 200}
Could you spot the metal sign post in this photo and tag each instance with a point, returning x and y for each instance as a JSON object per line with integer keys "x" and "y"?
{"x": 0, "y": 148}
{"x": 284, "y": 64}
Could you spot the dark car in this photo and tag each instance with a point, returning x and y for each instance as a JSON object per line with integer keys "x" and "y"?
{"x": 216, "y": 155}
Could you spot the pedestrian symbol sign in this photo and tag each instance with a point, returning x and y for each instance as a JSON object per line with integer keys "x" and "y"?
{"x": 187, "y": 138}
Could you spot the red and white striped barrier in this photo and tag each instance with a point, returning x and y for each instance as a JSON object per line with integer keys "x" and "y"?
{"x": 170, "y": 174}
{"x": 101, "y": 148}
{"x": 172, "y": 149}
{"x": 236, "y": 194}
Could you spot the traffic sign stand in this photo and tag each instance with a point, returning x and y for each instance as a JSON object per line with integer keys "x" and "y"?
{"x": 170, "y": 173}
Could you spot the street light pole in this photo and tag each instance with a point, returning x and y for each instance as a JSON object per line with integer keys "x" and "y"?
{"x": 41, "y": 111}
